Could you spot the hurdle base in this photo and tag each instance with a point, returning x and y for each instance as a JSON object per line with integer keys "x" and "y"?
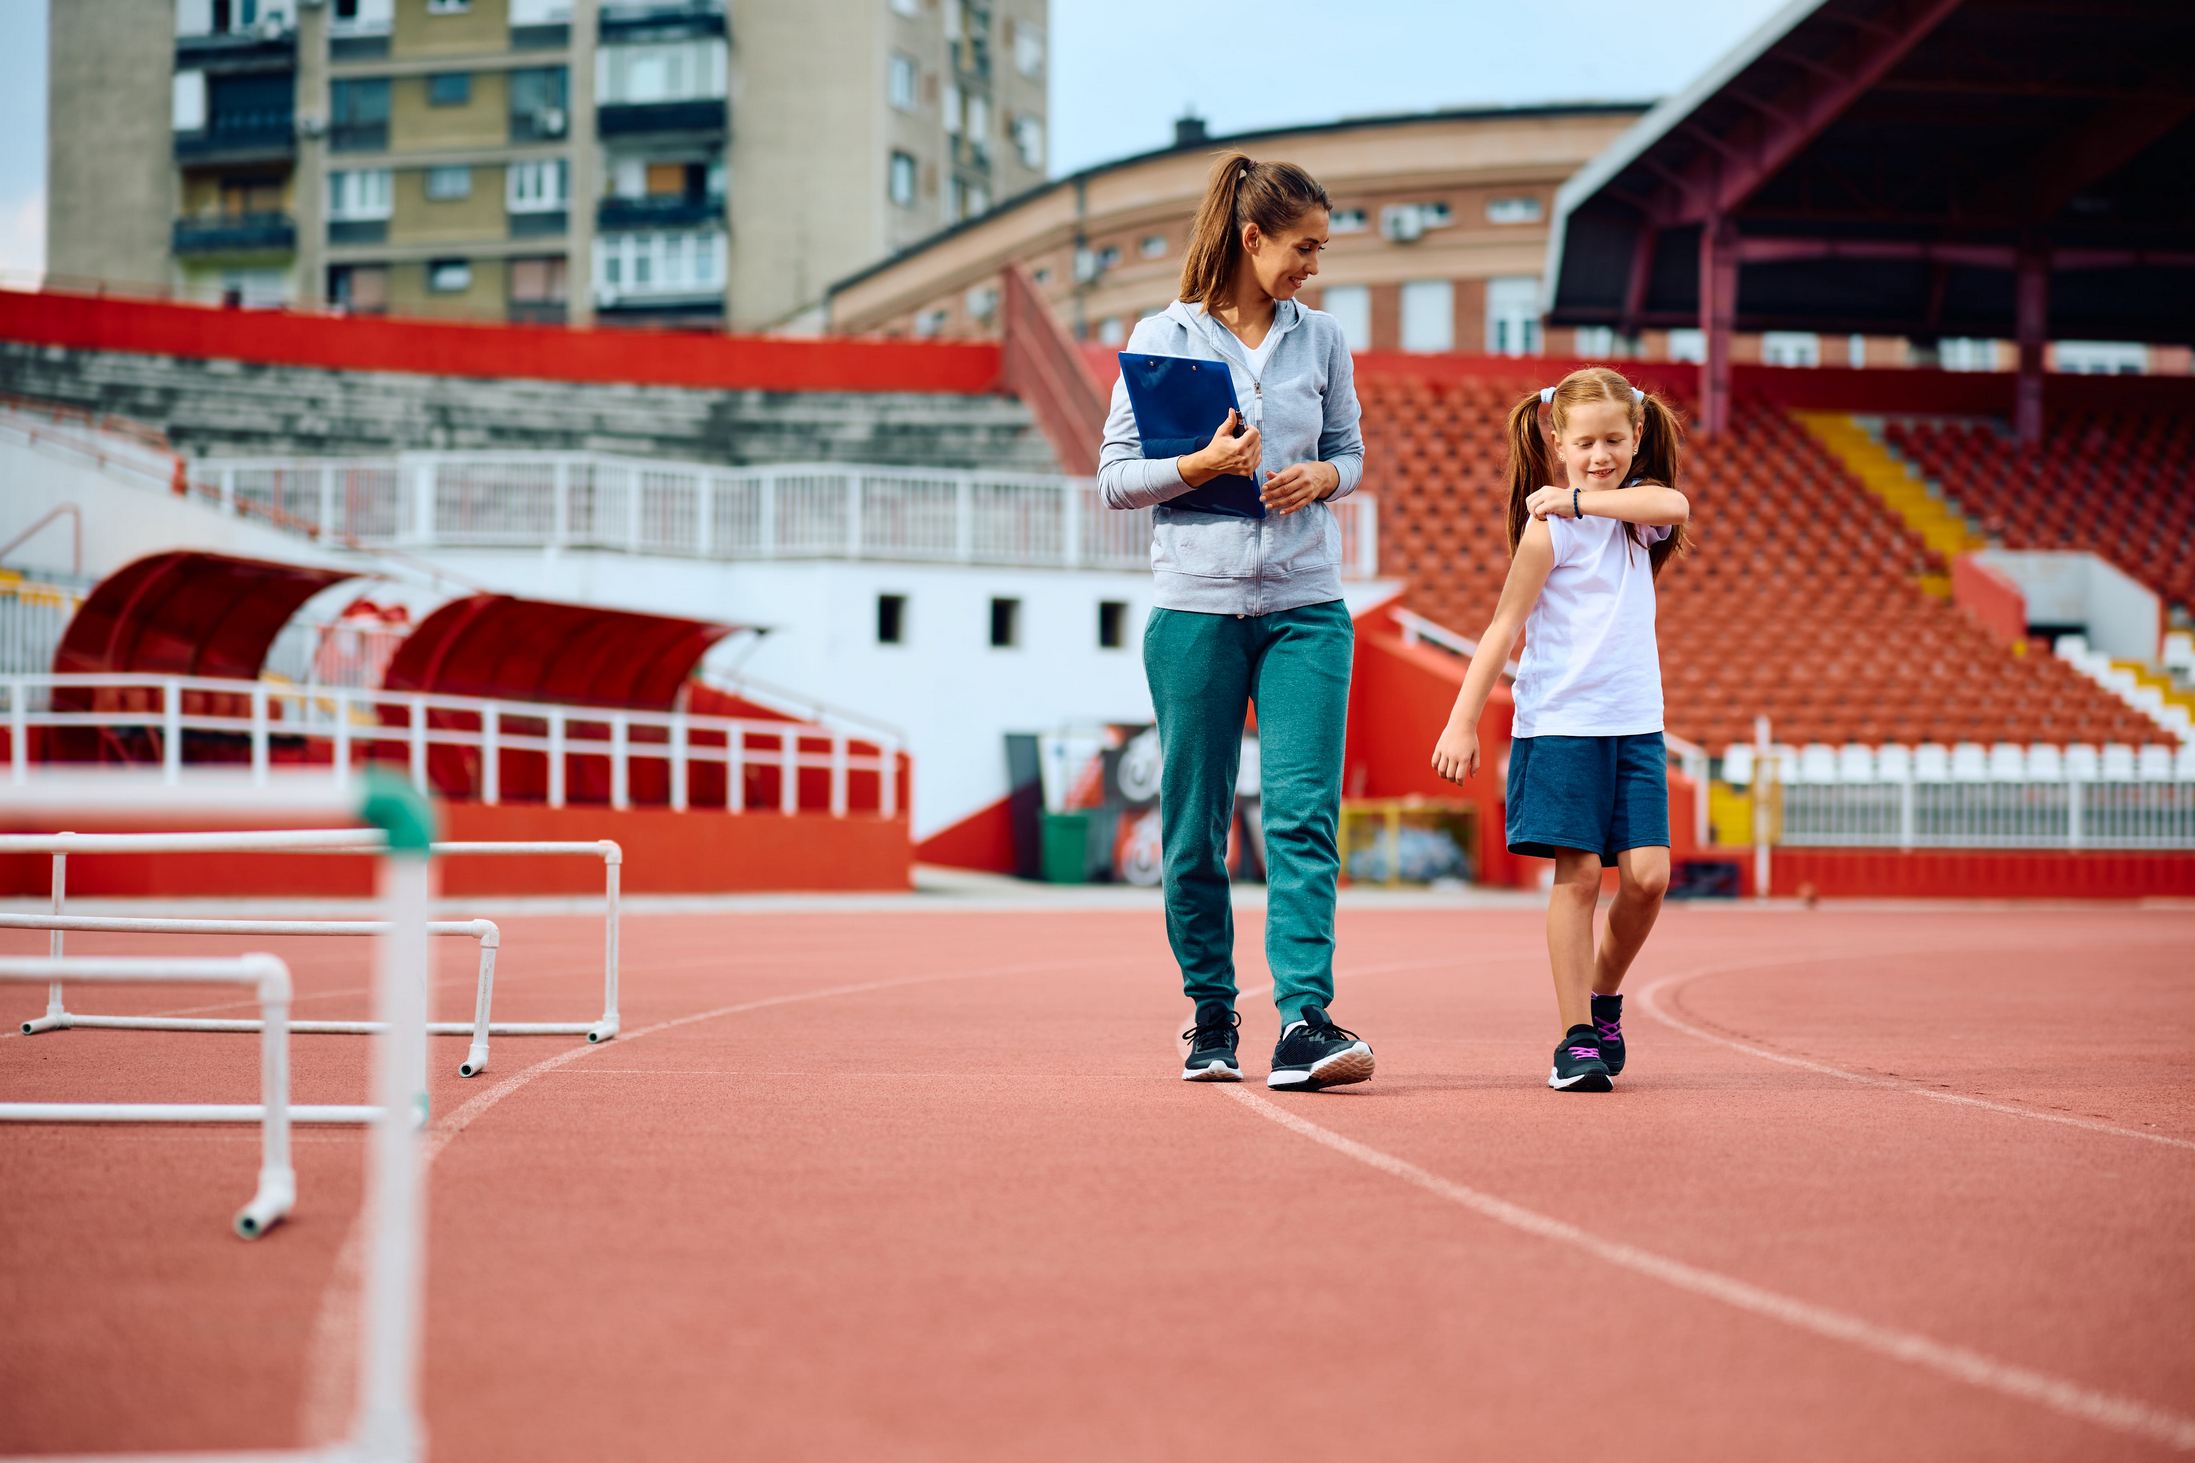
{"x": 175, "y": 1112}
{"x": 276, "y": 1197}
{"x": 51, "y": 1021}
{"x": 603, "y": 1030}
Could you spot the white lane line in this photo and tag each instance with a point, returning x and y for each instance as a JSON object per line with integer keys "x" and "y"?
{"x": 330, "y": 1356}
{"x": 1651, "y": 999}
{"x": 2119, "y": 1414}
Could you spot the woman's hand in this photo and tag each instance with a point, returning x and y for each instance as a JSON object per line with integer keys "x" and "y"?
{"x": 1456, "y": 754}
{"x": 1226, "y": 455}
{"x": 1299, "y": 486}
{"x": 1552, "y": 502}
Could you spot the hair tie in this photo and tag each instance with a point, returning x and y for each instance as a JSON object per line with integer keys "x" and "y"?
{"x": 1547, "y": 396}
{"x": 1638, "y": 396}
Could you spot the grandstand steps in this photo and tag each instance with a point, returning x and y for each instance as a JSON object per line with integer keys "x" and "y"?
{"x": 229, "y": 408}
{"x": 1894, "y": 483}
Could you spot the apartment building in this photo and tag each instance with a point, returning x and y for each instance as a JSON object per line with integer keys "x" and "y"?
{"x": 545, "y": 160}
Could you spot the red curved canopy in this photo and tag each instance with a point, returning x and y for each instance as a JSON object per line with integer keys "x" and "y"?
{"x": 492, "y": 645}
{"x": 187, "y": 613}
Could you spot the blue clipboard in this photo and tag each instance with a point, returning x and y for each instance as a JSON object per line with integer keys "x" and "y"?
{"x": 1180, "y": 402}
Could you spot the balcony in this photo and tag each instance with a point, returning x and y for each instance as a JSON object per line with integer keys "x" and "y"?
{"x": 661, "y": 20}
{"x": 700, "y": 117}
{"x": 240, "y": 137}
{"x": 245, "y": 233}
{"x": 972, "y": 59}
{"x": 671, "y": 211}
{"x": 222, "y": 53}
{"x": 359, "y": 136}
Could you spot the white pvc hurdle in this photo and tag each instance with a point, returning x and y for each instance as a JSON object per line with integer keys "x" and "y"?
{"x": 386, "y": 1427}
{"x": 277, "y": 1190}
{"x": 342, "y": 840}
{"x": 483, "y": 930}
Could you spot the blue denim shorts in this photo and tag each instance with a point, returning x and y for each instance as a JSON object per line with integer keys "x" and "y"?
{"x": 1599, "y": 794}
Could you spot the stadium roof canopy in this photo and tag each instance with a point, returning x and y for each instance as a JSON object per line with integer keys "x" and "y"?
{"x": 1998, "y": 168}
{"x": 493, "y": 645}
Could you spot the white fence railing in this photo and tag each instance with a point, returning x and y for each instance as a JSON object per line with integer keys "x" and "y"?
{"x": 394, "y": 726}
{"x": 821, "y": 511}
{"x": 32, "y": 619}
{"x": 2066, "y": 814}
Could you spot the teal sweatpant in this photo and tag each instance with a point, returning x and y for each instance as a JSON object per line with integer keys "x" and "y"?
{"x": 1205, "y": 673}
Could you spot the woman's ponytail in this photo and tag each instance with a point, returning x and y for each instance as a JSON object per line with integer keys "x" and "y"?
{"x": 1528, "y": 467}
{"x": 1238, "y": 193}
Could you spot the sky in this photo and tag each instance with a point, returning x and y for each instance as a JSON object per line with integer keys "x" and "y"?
{"x": 1123, "y": 70}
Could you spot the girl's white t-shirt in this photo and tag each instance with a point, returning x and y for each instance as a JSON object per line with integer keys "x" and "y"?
{"x": 1591, "y": 667}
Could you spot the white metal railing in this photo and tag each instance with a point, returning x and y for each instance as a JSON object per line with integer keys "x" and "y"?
{"x": 2067, "y": 813}
{"x": 360, "y": 723}
{"x": 694, "y": 510}
{"x": 32, "y": 619}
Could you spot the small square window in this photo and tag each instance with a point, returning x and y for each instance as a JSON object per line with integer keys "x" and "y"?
{"x": 449, "y": 276}
{"x": 448, "y": 7}
{"x": 900, "y": 82}
{"x": 1042, "y": 276}
{"x": 1112, "y": 623}
{"x": 444, "y": 184}
{"x": 891, "y": 619}
{"x": 903, "y": 179}
{"x": 450, "y": 89}
{"x": 1346, "y": 221}
{"x": 1005, "y": 623}
{"x": 1522, "y": 208}
{"x": 1153, "y": 246}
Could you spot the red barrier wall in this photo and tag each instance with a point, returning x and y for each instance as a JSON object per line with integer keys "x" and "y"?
{"x": 543, "y": 352}
{"x": 1991, "y": 599}
{"x": 1951, "y": 873}
{"x": 665, "y": 853}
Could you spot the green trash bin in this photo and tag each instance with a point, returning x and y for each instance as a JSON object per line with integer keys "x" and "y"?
{"x": 1066, "y": 848}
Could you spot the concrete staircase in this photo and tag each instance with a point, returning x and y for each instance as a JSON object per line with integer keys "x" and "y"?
{"x": 230, "y": 408}
{"x": 1891, "y": 480}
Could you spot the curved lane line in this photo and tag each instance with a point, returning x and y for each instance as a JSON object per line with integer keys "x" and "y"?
{"x": 2119, "y": 1414}
{"x": 335, "y": 1334}
{"x": 1649, "y": 998}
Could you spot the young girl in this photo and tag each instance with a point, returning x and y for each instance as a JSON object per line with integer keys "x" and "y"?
{"x": 1249, "y": 611}
{"x": 1588, "y": 783}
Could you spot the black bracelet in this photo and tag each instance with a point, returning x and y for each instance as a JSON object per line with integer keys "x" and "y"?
{"x": 1575, "y": 510}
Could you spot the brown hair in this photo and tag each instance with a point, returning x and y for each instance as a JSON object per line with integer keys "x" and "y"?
{"x": 1241, "y": 192}
{"x": 1531, "y": 467}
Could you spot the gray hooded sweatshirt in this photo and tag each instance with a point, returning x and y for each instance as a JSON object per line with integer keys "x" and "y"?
{"x": 1304, "y": 404}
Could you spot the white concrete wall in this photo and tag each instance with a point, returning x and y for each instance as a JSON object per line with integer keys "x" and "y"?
{"x": 2123, "y": 619}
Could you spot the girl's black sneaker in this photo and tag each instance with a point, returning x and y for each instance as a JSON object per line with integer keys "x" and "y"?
{"x": 1608, "y": 1025}
{"x": 1211, "y": 1051}
{"x": 1578, "y": 1064}
{"x": 1314, "y": 1052}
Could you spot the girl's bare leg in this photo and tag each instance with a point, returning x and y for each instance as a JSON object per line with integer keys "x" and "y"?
{"x": 1644, "y": 880}
{"x": 1570, "y": 906}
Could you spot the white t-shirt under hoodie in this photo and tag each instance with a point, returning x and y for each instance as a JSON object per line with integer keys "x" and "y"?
{"x": 1591, "y": 667}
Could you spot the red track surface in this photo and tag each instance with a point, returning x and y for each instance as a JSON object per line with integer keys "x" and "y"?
{"x": 925, "y": 1185}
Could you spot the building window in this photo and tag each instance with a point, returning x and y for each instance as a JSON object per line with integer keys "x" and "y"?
{"x": 1153, "y": 246}
{"x": 981, "y": 301}
{"x": 1351, "y": 307}
{"x": 1029, "y": 142}
{"x": 1005, "y": 623}
{"x": 445, "y": 184}
{"x": 1596, "y": 342}
{"x": 537, "y": 187}
{"x": 1112, "y": 624}
{"x": 979, "y": 118}
{"x": 450, "y": 89}
{"x": 449, "y": 276}
{"x": 1346, "y": 221}
{"x": 1791, "y": 348}
{"x": 448, "y": 7}
{"x": 1112, "y": 330}
{"x": 1855, "y": 350}
{"x": 1688, "y": 344}
{"x": 2101, "y": 357}
{"x": 1966, "y": 353}
{"x": 538, "y": 99}
{"x": 903, "y": 179}
{"x": 362, "y": 289}
{"x": 662, "y": 72}
{"x": 1429, "y": 315}
{"x": 891, "y": 619}
{"x": 362, "y": 17}
{"x": 358, "y": 115}
{"x": 912, "y": 9}
{"x": 1042, "y": 276}
{"x": 931, "y": 323}
{"x": 539, "y": 281}
{"x": 1520, "y": 208}
{"x": 366, "y": 193}
{"x": 687, "y": 263}
{"x": 1028, "y": 44}
{"x": 1513, "y": 315}
{"x": 900, "y": 81}
{"x": 953, "y": 100}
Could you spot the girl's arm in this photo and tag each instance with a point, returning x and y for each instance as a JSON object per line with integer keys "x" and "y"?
{"x": 1648, "y": 503}
{"x": 1456, "y": 754}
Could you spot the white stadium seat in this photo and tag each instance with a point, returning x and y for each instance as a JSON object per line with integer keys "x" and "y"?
{"x": 2045, "y": 763}
{"x": 1818, "y": 763}
{"x": 2154, "y": 763}
{"x": 2183, "y": 762}
{"x": 1932, "y": 762}
{"x": 2083, "y": 761}
{"x": 2118, "y": 765}
{"x": 1894, "y": 762}
{"x": 1969, "y": 762}
{"x": 2071, "y": 647}
{"x": 1737, "y": 764}
{"x": 2008, "y": 762}
{"x": 1856, "y": 763}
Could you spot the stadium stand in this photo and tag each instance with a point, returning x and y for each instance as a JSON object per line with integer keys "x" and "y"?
{"x": 1801, "y": 599}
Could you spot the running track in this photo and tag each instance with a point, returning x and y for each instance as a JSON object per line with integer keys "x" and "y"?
{"x": 923, "y": 1185}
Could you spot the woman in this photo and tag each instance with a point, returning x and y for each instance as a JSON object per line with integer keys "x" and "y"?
{"x": 1249, "y": 612}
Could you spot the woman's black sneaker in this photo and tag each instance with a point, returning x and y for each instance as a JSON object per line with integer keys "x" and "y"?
{"x": 1314, "y": 1052}
{"x": 1578, "y": 1064}
{"x": 1608, "y": 1025}
{"x": 1211, "y": 1054}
